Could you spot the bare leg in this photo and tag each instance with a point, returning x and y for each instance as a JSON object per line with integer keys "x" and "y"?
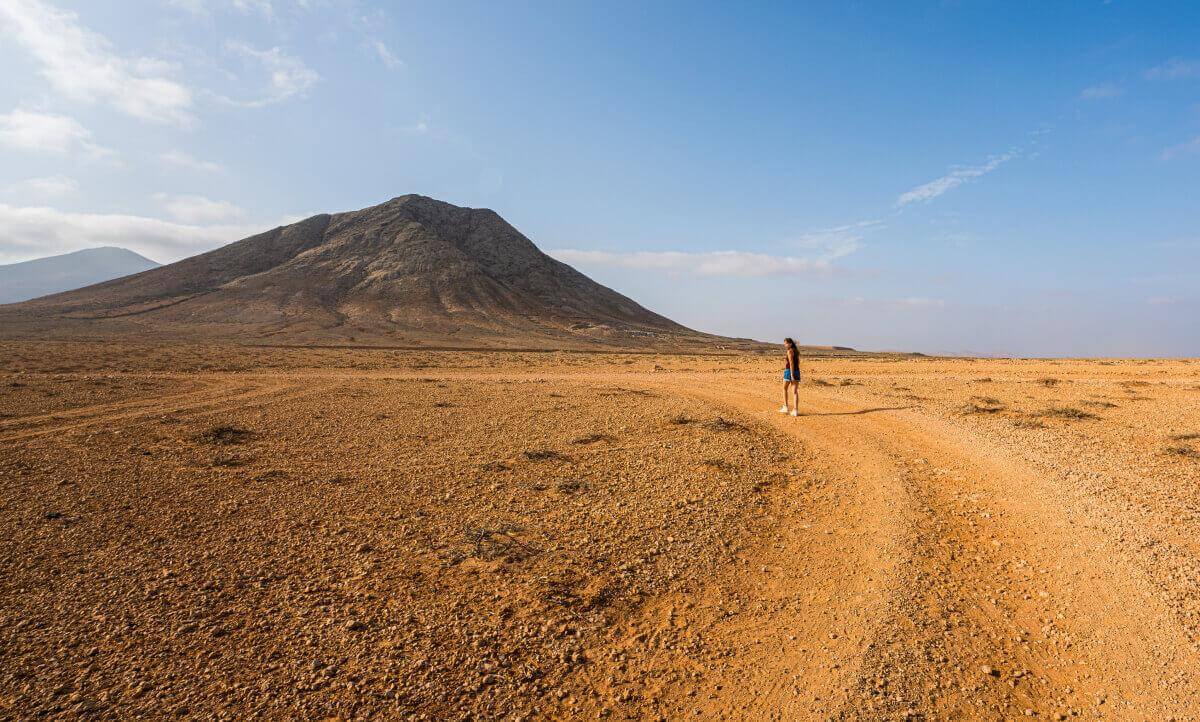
{"x": 785, "y": 389}
{"x": 796, "y": 395}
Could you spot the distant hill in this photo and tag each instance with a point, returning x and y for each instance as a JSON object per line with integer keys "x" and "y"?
{"x": 54, "y": 274}
{"x": 411, "y": 271}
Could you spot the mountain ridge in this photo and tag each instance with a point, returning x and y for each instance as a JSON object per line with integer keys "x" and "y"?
{"x": 411, "y": 270}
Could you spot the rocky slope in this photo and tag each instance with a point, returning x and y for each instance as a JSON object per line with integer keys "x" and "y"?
{"x": 411, "y": 271}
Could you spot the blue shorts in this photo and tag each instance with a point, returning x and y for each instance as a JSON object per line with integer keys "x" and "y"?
{"x": 787, "y": 375}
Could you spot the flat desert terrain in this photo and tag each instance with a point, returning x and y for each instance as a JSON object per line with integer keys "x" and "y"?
{"x": 234, "y": 533}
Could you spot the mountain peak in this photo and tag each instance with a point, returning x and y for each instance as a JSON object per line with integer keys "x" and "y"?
{"x": 413, "y": 270}
{"x": 53, "y": 274}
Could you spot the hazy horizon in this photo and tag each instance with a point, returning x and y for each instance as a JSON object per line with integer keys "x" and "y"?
{"x": 964, "y": 177}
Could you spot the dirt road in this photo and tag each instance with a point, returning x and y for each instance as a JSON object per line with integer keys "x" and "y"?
{"x": 909, "y": 547}
{"x": 955, "y": 580}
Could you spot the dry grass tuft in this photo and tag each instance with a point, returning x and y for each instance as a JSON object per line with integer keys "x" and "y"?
{"x": 1049, "y": 381}
{"x": 226, "y": 435}
{"x": 545, "y": 455}
{"x": 722, "y": 424}
{"x": 1067, "y": 412}
{"x": 1026, "y": 422}
{"x": 983, "y": 405}
{"x": 1184, "y": 451}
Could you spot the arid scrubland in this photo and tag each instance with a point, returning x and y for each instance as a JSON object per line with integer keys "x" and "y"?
{"x": 232, "y": 532}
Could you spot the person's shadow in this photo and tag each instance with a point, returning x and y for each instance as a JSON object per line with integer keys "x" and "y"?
{"x": 861, "y": 411}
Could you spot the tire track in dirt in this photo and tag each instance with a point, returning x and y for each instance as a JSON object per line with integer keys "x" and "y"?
{"x": 100, "y": 410}
{"x": 222, "y": 396}
{"x": 999, "y": 601}
{"x": 784, "y": 635}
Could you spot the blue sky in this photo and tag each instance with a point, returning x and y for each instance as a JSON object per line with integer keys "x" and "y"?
{"x": 987, "y": 177}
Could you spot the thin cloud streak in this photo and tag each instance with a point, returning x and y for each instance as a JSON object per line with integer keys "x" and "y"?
{"x": 180, "y": 159}
{"x": 386, "y": 56}
{"x": 710, "y": 263}
{"x": 1176, "y": 69}
{"x": 950, "y": 181}
{"x": 1187, "y": 148}
{"x": 827, "y": 245}
{"x": 1103, "y": 91}
{"x": 44, "y": 187}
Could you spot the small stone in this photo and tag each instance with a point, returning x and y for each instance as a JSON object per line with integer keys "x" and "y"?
{"x": 355, "y": 625}
{"x": 989, "y": 670}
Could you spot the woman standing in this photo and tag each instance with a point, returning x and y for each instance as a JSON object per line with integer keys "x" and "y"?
{"x": 791, "y": 378}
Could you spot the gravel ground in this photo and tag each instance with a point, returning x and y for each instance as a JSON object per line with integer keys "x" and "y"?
{"x": 212, "y": 532}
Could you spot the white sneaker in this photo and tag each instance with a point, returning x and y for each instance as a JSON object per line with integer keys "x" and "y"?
{"x": 795, "y": 412}
{"x": 783, "y": 409}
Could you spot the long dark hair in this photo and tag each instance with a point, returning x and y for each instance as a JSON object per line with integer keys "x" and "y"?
{"x": 789, "y": 343}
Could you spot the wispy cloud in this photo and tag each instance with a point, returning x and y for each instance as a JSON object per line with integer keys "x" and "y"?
{"x": 385, "y": 55}
{"x": 839, "y": 241}
{"x": 34, "y": 231}
{"x": 1104, "y": 91}
{"x": 181, "y": 159}
{"x": 287, "y": 75}
{"x": 823, "y": 246}
{"x": 44, "y": 187}
{"x": 711, "y": 263}
{"x": 955, "y": 178}
{"x": 266, "y": 8}
{"x": 196, "y": 209}
{"x": 908, "y": 303}
{"x": 83, "y": 66}
{"x": 47, "y": 132}
{"x": 421, "y": 127}
{"x": 918, "y": 302}
{"x": 1186, "y": 148}
{"x": 1175, "y": 69}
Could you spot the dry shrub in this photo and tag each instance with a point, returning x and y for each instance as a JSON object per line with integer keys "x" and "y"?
{"x": 1068, "y": 412}
{"x": 1048, "y": 381}
{"x": 545, "y": 455}
{"x": 983, "y": 405}
{"x": 591, "y": 439}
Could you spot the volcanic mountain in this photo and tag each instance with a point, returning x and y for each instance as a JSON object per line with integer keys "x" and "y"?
{"x": 54, "y": 274}
{"x": 411, "y": 271}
